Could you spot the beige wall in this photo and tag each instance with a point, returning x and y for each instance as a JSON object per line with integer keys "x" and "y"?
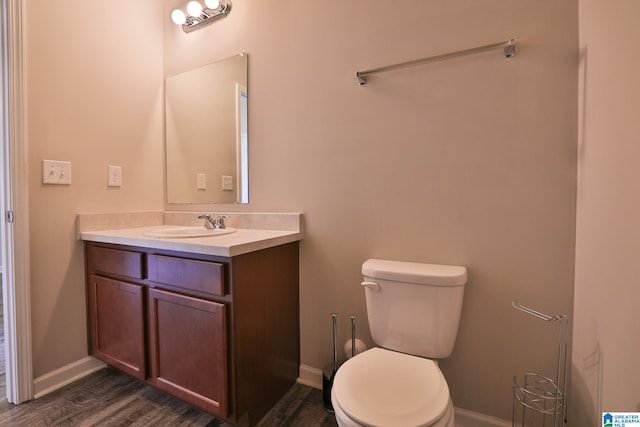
{"x": 607, "y": 290}
{"x": 94, "y": 98}
{"x": 469, "y": 161}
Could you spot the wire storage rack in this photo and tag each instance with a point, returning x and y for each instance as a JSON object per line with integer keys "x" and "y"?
{"x": 541, "y": 401}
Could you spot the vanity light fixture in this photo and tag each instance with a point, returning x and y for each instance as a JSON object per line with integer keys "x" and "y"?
{"x": 197, "y": 16}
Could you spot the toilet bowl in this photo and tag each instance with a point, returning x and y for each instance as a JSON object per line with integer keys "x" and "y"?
{"x": 385, "y": 388}
{"x": 414, "y": 312}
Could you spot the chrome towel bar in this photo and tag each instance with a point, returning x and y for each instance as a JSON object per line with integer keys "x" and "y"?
{"x": 509, "y": 47}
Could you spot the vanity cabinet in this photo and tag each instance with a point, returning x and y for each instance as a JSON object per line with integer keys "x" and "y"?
{"x": 221, "y": 333}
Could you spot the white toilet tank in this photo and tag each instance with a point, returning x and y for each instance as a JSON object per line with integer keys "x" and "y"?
{"x": 413, "y": 307}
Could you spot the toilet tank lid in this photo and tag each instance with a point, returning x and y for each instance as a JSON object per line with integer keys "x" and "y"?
{"x": 415, "y": 272}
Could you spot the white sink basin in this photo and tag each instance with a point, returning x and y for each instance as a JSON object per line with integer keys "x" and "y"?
{"x": 179, "y": 231}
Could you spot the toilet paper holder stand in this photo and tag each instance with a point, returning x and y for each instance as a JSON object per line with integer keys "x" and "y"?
{"x": 541, "y": 400}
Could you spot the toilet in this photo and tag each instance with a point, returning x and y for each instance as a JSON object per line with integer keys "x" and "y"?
{"x": 414, "y": 312}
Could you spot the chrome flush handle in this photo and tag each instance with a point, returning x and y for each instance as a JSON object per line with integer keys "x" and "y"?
{"x": 371, "y": 285}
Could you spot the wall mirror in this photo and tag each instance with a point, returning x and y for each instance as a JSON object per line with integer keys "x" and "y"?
{"x": 206, "y": 133}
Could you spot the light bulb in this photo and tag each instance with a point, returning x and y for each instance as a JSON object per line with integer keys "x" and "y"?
{"x": 212, "y": 4}
{"x": 194, "y": 8}
{"x": 178, "y": 17}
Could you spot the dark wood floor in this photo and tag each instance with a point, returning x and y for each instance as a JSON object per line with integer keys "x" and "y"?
{"x": 109, "y": 398}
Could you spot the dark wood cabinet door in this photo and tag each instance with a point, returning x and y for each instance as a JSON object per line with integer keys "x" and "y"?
{"x": 188, "y": 349}
{"x": 116, "y": 317}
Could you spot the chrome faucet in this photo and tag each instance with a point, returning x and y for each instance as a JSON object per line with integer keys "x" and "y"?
{"x": 215, "y": 223}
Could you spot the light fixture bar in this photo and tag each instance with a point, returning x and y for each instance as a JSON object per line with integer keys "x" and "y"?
{"x": 206, "y": 17}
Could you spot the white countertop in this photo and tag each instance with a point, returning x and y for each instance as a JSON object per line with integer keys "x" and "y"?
{"x": 254, "y": 231}
{"x": 239, "y": 242}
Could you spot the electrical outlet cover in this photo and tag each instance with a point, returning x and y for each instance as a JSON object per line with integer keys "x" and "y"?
{"x": 114, "y": 174}
{"x": 227, "y": 183}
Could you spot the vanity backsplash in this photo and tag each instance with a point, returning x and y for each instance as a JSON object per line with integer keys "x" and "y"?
{"x": 252, "y": 220}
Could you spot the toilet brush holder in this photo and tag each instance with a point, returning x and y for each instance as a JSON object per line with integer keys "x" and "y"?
{"x": 329, "y": 371}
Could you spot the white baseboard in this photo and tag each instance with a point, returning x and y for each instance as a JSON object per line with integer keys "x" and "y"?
{"x": 464, "y": 418}
{"x": 59, "y": 378}
{"x": 310, "y": 376}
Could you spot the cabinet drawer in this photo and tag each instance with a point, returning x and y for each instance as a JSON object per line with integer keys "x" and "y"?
{"x": 116, "y": 261}
{"x": 200, "y": 276}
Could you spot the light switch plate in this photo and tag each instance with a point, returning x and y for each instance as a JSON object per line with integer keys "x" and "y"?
{"x": 56, "y": 172}
{"x": 114, "y": 174}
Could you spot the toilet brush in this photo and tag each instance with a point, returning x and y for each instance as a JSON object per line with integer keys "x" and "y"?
{"x": 329, "y": 371}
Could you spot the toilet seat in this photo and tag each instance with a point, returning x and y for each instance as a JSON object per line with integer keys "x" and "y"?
{"x": 385, "y": 388}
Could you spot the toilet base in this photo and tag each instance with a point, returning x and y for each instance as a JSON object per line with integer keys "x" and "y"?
{"x": 344, "y": 421}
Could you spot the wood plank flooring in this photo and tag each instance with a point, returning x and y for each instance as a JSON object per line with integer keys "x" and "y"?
{"x": 109, "y": 398}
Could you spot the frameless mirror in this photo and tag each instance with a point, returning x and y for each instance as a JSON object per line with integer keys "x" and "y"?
{"x": 207, "y": 133}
